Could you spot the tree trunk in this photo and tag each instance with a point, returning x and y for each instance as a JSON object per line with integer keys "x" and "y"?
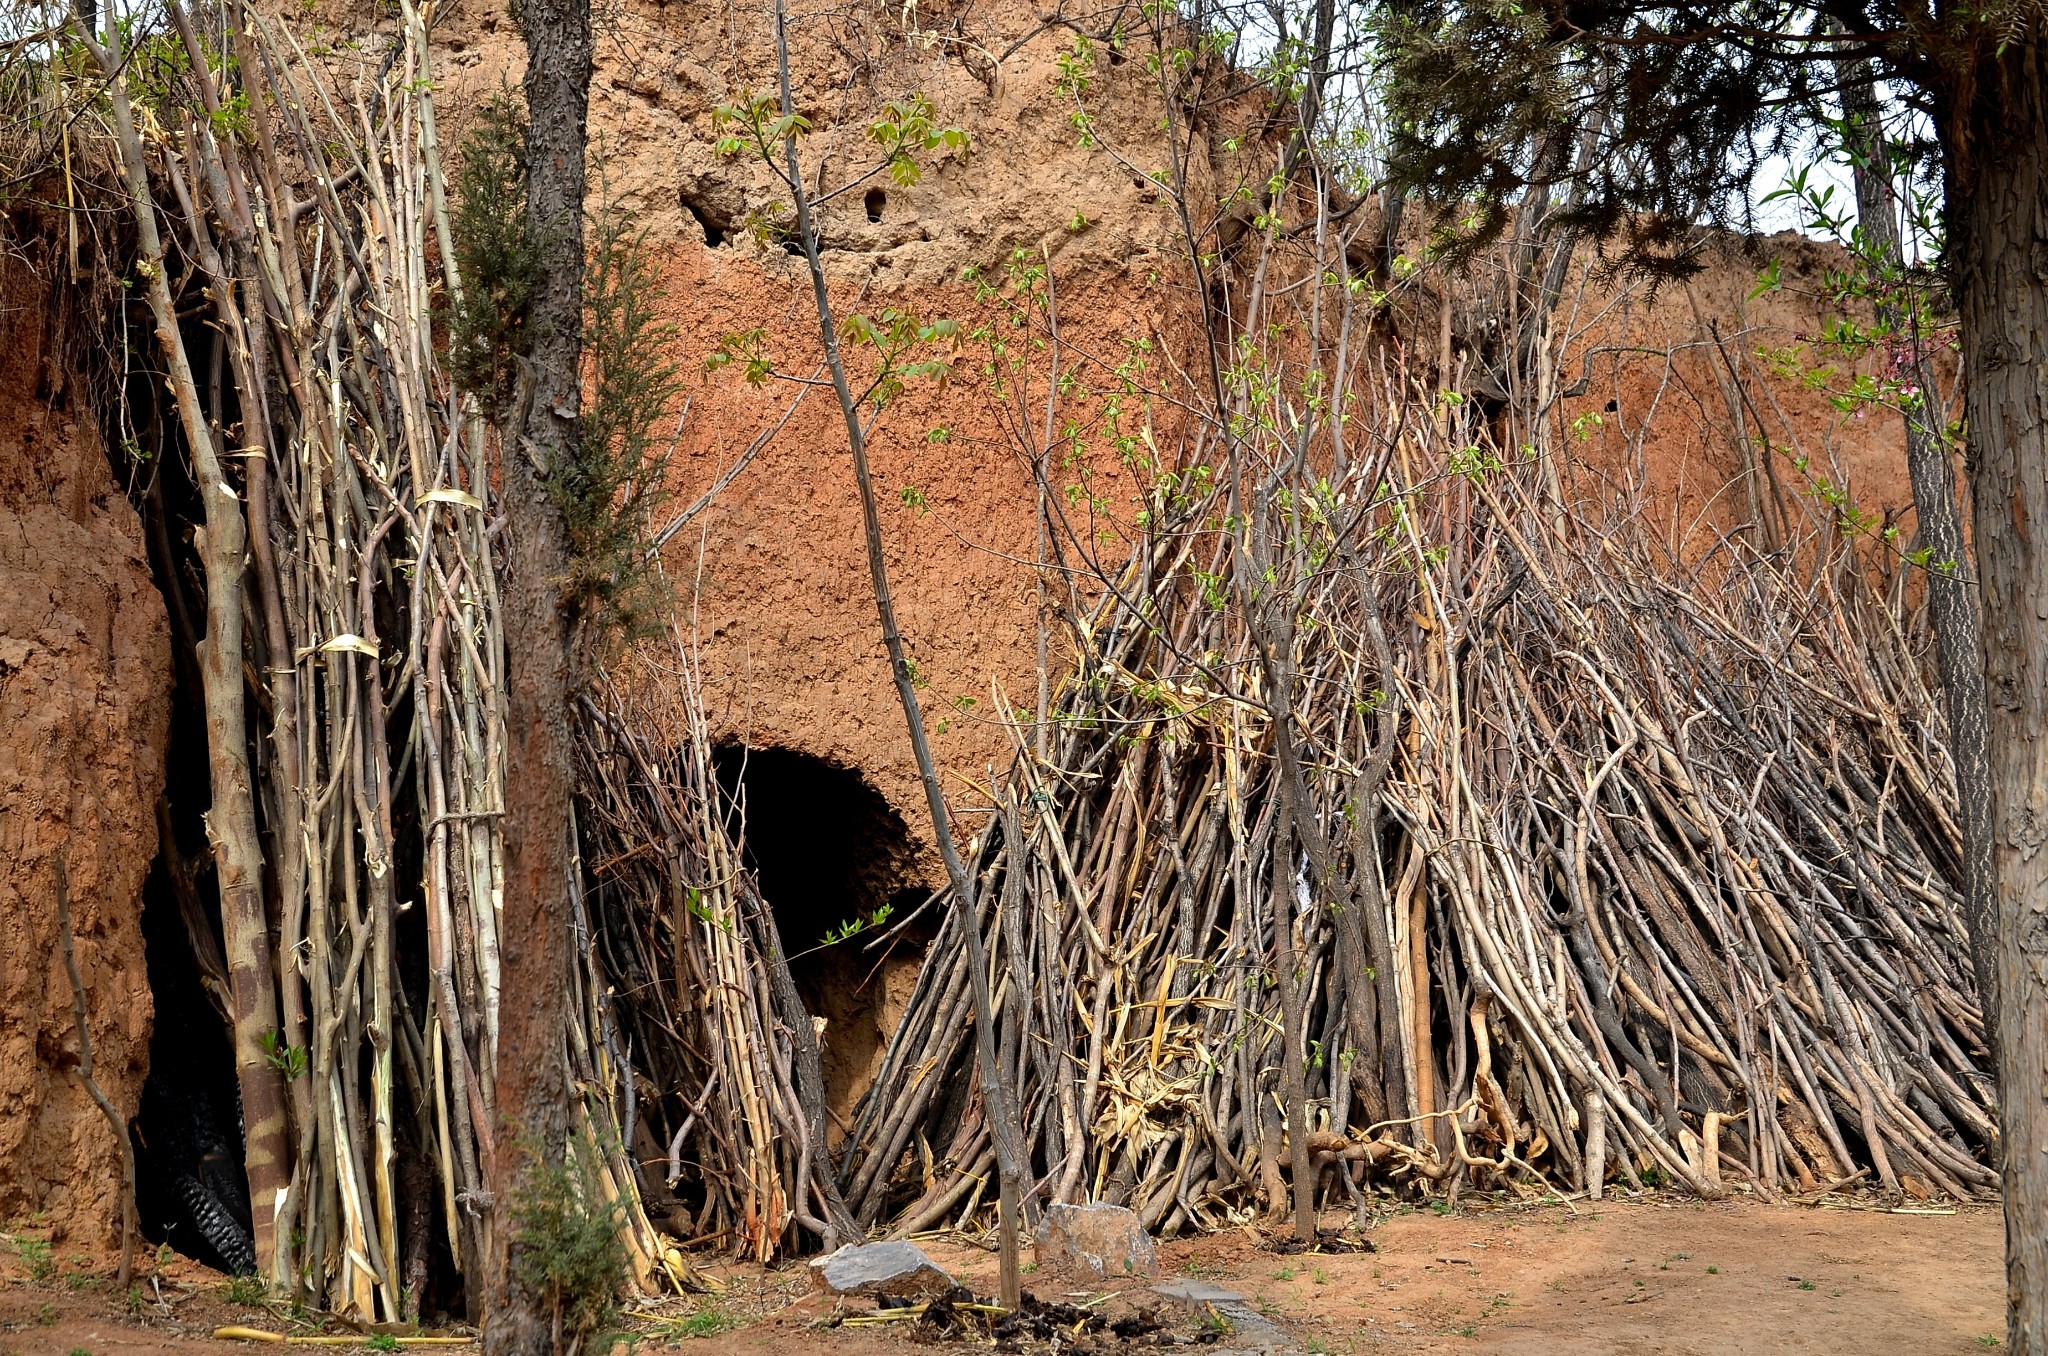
{"x": 540, "y": 435}
{"x": 1995, "y": 144}
{"x": 1293, "y": 1049}
{"x": 1951, "y": 579}
{"x": 997, "y": 1103}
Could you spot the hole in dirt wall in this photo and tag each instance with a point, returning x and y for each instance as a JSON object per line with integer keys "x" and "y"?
{"x": 827, "y": 850}
{"x": 191, "y": 1191}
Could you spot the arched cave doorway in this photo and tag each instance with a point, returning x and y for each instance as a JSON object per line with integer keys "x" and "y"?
{"x": 827, "y": 849}
{"x": 191, "y": 1191}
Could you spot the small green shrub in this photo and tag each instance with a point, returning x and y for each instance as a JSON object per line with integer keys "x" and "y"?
{"x": 493, "y": 254}
{"x": 567, "y": 1248}
{"x": 611, "y": 482}
{"x": 36, "y": 1255}
{"x": 709, "y": 1321}
{"x": 617, "y": 481}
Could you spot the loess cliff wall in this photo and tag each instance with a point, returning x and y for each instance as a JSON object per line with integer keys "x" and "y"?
{"x": 771, "y": 570}
{"x": 84, "y": 714}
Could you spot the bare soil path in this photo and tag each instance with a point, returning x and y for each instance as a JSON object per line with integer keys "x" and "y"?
{"x": 1681, "y": 1277}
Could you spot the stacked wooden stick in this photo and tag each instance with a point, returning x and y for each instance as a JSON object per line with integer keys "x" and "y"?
{"x": 1664, "y": 865}
{"x": 705, "y": 1006}
{"x": 1575, "y": 862}
{"x": 292, "y": 207}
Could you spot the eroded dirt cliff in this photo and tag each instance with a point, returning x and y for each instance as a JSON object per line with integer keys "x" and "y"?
{"x": 84, "y": 712}
{"x": 771, "y": 572}
{"x": 1673, "y": 415}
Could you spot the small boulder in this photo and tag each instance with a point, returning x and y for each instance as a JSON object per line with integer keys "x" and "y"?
{"x": 890, "y": 1270}
{"x": 1095, "y": 1240}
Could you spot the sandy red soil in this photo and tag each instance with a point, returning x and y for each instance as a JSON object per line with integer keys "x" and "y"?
{"x": 1677, "y": 1276}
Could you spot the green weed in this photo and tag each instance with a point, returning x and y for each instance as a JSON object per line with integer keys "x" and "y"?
{"x": 35, "y": 1254}
{"x": 245, "y": 1290}
{"x": 706, "y": 1322}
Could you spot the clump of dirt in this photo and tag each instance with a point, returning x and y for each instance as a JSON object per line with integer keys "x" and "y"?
{"x": 961, "y": 1314}
{"x": 84, "y": 713}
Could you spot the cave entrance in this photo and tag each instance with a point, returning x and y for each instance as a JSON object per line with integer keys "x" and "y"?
{"x": 191, "y": 1190}
{"x": 827, "y": 849}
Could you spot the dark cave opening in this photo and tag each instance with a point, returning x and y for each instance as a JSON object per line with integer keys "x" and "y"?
{"x": 188, "y": 1131}
{"x": 190, "y": 1191}
{"x": 875, "y": 201}
{"x": 713, "y": 228}
{"x": 828, "y": 850}
{"x": 191, "y": 1184}
{"x": 190, "y": 1187}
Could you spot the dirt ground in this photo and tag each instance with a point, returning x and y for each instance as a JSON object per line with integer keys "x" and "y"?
{"x": 1680, "y": 1277}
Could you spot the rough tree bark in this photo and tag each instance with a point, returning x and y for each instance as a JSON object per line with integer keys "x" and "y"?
{"x": 541, "y": 432}
{"x": 1994, "y": 131}
{"x": 1293, "y": 1080}
{"x": 1951, "y": 588}
{"x": 231, "y": 820}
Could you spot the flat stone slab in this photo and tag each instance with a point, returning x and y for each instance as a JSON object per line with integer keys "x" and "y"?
{"x": 1196, "y": 1294}
{"x": 890, "y": 1270}
{"x": 1095, "y": 1240}
{"x": 1250, "y": 1330}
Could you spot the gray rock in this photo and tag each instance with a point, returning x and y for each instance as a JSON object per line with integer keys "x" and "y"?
{"x": 895, "y": 1270}
{"x": 1196, "y": 1294}
{"x": 1250, "y": 1330}
{"x": 1096, "y": 1240}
